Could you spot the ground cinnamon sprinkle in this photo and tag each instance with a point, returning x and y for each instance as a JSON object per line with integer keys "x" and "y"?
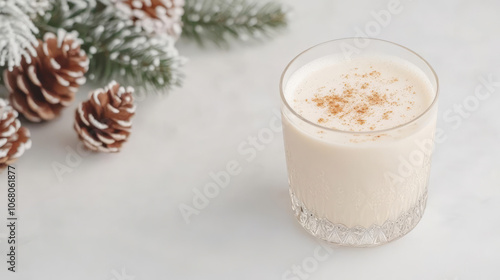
{"x": 377, "y": 99}
{"x": 361, "y": 109}
{"x": 350, "y": 102}
{"x": 354, "y": 102}
{"x": 334, "y": 103}
{"x": 361, "y": 121}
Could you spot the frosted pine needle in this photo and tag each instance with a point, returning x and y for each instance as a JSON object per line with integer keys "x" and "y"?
{"x": 17, "y": 31}
{"x": 217, "y": 21}
{"x": 117, "y": 48}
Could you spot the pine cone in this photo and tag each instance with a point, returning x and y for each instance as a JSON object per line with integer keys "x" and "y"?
{"x": 155, "y": 16}
{"x": 14, "y": 139}
{"x": 103, "y": 122}
{"x": 40, "y": 89}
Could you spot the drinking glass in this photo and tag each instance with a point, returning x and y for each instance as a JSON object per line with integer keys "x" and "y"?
{"x": 358, "y": 188}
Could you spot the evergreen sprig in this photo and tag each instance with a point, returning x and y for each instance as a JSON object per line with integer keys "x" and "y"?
{"x": 218, "y": 21}
{"x": 17, "y": 31}
{"x": 116, "y": 48}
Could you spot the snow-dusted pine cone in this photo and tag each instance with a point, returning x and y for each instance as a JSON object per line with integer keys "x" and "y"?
{"x": 14, "y": 139}
{"x": 103, "y": 122}
{"x": 40, "y": 89}
{"x": 155, "y": 16}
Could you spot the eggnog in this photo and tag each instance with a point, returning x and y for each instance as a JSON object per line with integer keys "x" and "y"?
{"x": 358, "y": 138}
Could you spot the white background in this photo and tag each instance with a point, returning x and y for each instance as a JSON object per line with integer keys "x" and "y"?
{"x": 118, "y": 214}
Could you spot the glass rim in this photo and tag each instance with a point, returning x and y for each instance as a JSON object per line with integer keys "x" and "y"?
{"x": 425, "y": 112}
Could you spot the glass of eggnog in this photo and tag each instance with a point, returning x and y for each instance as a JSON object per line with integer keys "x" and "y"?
{"x": 359, "y": 117}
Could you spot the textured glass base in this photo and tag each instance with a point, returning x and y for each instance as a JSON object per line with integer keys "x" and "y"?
{"x": 358, "y": 236}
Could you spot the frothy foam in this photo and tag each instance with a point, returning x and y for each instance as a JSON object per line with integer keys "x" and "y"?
{"x": 365, "y": 93}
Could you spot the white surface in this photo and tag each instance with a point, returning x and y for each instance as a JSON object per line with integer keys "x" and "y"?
{"x": 119, "y": 213}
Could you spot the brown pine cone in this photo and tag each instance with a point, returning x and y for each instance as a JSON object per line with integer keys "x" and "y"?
{"x": 14, "y": 139}
{"x": 40, "y": 89}
{"x": 155, "y": 16}
{"x": 103, "y": 122}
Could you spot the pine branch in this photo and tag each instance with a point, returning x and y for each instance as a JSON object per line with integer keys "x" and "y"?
{"x": 218, "y": 21}
{"x": 17, "y": 31}
{"x": 116, "y": 48}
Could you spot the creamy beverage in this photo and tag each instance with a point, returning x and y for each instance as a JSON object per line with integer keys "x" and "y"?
{"x": 363, "y": 94}
{"x": 358, "y": 138}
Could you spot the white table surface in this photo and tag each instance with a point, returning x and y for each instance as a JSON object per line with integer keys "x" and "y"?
{"x": 117, "y": 216}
